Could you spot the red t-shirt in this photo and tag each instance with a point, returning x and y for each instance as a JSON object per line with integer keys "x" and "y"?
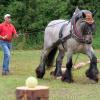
{"x": 7, "y": 29}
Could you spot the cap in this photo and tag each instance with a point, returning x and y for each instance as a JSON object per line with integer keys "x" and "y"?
{"x": 6, "y": 15}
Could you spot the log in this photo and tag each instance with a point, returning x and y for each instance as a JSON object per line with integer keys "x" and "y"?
{"x": 37, "y": 93}
{"x": 79, "y": 65}
{"x": 76, "y": 66}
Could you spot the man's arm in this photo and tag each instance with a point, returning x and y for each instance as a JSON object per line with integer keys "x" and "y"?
{"x": 15, "y": 35}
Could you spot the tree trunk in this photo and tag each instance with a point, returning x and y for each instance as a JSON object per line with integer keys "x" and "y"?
{"x": 37, "y": 93}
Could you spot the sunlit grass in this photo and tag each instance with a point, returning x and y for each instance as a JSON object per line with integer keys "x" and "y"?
{"x": 23, "y": 65}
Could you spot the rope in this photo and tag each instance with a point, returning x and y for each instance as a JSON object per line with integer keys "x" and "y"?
{"x": 76, "y": 59}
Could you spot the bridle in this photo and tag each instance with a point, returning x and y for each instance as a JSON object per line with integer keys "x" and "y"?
{"x": 75, "y": 32}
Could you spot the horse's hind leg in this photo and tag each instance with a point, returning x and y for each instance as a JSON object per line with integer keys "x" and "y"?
{"x": 58, "y": 71}
{"x": 92, "y": 72}
{"x": 40, "y": 71}
{"x": 67, "y": 76}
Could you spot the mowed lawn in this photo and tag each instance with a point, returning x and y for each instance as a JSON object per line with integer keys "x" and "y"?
{"x": 23, "y": 65}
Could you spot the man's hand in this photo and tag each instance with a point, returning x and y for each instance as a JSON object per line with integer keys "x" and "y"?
{"x": 5, "y": 37}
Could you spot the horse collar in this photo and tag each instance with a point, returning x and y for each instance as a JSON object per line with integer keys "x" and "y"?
{"x": 75, "y": 33}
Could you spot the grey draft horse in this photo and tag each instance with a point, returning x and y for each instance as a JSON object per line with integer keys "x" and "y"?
{"x": 74, "y": 36}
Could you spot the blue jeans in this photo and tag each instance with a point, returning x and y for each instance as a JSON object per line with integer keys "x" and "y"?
{"x": 6, "y": 46}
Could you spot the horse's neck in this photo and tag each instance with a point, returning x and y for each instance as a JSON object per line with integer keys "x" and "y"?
{"x": 78, "y": 26}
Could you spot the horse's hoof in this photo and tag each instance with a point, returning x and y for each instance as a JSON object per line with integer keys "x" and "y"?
{"x": 67, "y": 80}
{"x": 39, "y": 73}
{"x": 67, "y": 77}
{"x": 92, "y": 75}
{"x": 55, "y": 74}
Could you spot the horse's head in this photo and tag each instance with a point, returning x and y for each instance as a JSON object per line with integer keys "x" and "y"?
{"x": 84, "y": 25}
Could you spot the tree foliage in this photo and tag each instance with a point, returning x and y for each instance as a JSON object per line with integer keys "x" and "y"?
{"x": 30, "y": 17}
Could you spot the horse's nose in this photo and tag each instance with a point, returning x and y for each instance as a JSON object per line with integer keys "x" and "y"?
{"x": 88, "y": 37}
{"x": 89, "y": 33}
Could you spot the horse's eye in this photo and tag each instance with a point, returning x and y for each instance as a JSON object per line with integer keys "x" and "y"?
{"x": 77, "y": 18}
{"x": 83, "y": 14}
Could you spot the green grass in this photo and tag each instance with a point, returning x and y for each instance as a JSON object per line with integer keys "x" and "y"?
{"x": 23, "y": 65}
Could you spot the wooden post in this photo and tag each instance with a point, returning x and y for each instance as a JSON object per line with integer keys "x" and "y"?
{"x": 37, "y": 93}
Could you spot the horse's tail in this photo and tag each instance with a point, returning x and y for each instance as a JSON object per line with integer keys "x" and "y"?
{"x": 50, "y": 57}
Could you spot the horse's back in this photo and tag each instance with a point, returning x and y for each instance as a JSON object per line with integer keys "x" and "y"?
{"x": 52, "y": 31}
{"x": 56, "y": 22}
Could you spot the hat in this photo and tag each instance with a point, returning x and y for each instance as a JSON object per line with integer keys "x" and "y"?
{"x": 6, "y": 15}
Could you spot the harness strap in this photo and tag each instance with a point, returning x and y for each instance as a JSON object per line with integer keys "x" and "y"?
{"x": 61, "y": 30}
{"x": 78, "y": 39}
{"x": 62, "y": 40}
{"x": 66, "y": 38}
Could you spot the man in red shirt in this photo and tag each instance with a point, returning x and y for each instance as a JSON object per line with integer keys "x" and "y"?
{"x": 7, "y": 32}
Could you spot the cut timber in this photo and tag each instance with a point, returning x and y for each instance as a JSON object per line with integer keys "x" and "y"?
{"x": 80, "y": 65}
{"x": 76, "y": 66}
{"x": 37, "y": 93}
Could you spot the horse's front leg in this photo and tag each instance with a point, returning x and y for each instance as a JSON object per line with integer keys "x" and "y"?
{"x": 40, "y": 70}
{"x": 92, "y": 72}
{"x": 58, "y": 71}
{"x": 67, "y": 76}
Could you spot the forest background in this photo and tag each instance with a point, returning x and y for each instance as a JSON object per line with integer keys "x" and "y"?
{"x": 30, "y": 18}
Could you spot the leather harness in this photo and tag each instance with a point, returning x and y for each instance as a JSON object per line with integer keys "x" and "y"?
{"x": 76, "y": 35}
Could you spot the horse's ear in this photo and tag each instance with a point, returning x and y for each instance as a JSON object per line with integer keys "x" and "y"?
{"x": 83, "y": 15}
{"x": 93, "y": 12}
{"x": 77, "y": 10}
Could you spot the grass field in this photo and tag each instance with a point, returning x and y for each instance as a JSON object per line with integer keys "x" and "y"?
{"x": 23, "y": 64}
